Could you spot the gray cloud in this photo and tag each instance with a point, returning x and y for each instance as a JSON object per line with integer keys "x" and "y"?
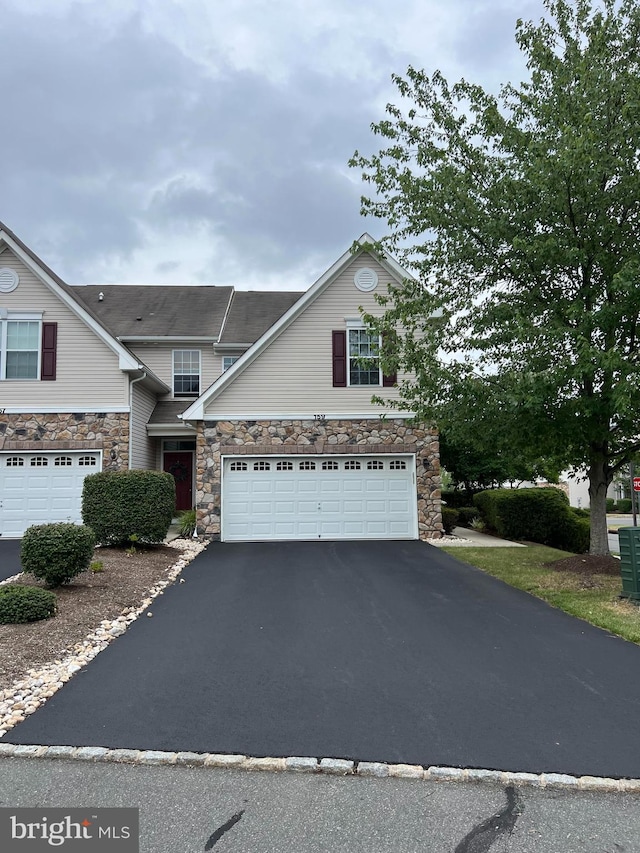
{"x": 130, "y": 149}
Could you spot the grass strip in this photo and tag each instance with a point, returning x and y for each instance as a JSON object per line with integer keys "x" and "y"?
{"x": 592, "y": 597}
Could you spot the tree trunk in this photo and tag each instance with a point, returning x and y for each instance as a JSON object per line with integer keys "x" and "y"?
{"x": 598, "y": 484}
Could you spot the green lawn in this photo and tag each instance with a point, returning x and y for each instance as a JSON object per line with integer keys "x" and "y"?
{"x": 593, "y": 598}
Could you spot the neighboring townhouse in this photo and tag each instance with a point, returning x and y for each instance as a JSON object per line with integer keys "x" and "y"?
{"x": 257, "y": 402}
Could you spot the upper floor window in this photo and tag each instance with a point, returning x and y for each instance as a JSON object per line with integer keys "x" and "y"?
{"x": 186, "y": 372}
{"x": 364, "y": 349}
{"x": 20, "y": 349}
{"x": 228, "y": 360}
{"x": 27, "y": 346}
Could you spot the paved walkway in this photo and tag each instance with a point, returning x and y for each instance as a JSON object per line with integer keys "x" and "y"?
{"x": 465, "y": 537}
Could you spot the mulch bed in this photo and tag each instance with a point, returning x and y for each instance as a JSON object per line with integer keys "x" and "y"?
{"x": 82, "y": 605}
{"x": 586, "y": 564}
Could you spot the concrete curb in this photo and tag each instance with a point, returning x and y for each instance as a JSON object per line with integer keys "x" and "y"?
{"x": 327, "y": 766}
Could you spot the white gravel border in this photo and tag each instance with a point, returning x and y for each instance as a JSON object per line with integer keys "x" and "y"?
{"x": 327, "y": 766}
{"x": 25, "y": 696}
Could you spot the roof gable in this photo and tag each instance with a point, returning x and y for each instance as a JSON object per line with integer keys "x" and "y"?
{"x": 364, "y": 244}
{"x": 126, "y": 361}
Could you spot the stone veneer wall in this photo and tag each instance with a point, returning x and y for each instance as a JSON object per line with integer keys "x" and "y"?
{"x": 218, "y": 438}
{"x": 83, "y": 430}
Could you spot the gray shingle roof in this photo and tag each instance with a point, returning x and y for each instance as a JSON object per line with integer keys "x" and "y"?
{"x": 131, "y": 310}
{"x": 167, "y": 411}
{"x": 252, "y": 312}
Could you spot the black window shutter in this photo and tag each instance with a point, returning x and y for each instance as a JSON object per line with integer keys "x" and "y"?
{"x": 390, "y": 380}
{"x": 49, "y": 348}
{"x": 339, "y": 340}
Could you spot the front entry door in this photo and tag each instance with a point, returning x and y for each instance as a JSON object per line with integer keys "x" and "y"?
{"x": 180, "y": 464}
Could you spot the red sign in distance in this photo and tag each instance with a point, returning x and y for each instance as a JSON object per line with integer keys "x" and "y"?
{"x": 636, "y": 484}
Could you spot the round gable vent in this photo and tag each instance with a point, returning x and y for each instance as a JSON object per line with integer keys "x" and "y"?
{"x": 366, "y": 279}
{"x": 8, "y": 280}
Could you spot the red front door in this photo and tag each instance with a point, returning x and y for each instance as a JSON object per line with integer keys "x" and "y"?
{"x": 180, "y": 464}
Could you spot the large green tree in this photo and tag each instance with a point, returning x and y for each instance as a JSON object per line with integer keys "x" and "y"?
{"x": 520, "y": 214}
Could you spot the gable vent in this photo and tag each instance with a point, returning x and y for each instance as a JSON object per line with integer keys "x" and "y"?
{"x": 8, "y": 280}
{"x": 366, "y": 279}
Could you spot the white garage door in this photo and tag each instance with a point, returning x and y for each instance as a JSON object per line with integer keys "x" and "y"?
{"x": 312, "y": 497}
{"x": 38, "y": 488}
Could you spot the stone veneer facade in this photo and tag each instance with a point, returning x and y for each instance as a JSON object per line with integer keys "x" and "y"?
{"x": 262, "y": 437}
{"x": 79, "y": 431}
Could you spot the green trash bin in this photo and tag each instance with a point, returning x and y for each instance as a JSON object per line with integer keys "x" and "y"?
{"x": 629, "y": 538}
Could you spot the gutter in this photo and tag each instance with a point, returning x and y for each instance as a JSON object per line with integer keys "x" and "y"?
{"x": 132, "y": 382}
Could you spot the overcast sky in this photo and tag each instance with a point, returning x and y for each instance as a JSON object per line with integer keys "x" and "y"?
{"x": 206, "y": 141}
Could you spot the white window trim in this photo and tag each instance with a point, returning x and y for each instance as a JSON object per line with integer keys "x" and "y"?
{"x": 354, "y": 325}
{"x": 10, "y": 316}
{"x": 173, "y": 373}
{"x": 232, "y": 360}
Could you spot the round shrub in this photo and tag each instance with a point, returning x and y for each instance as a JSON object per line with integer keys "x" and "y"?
{"x": 25, "y": 604}
{"x": 467, "y": 515}
{"x": 128, "y": 506}
{"x": 57, "y": 552}
{"x": 449, "y": 519}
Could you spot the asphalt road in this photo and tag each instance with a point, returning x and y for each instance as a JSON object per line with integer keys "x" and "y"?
{"x": 388, "y": 651}
{"x": 182, "y": 810}
{"x": 9, "y": 558}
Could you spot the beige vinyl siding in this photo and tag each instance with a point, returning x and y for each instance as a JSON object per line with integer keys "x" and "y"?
{"x": 87, "y": 375}
{"x": 159, "y": 358}
{"x": 295, "y": 374}
{"x": 142, "y": 447}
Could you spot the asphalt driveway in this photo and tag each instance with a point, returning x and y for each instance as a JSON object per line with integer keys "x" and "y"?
{"x": 9, "y": 558}
{"x": 389, "y": 651}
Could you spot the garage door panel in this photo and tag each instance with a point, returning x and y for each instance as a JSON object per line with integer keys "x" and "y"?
{"x": 42, "y": 487}
{"x": 339, "y": 497}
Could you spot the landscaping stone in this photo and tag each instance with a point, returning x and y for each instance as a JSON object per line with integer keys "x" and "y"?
{"x": 91, "y": 753}
{"x": 446, "y": 774}
{"x": 124, "y": 755}
{"x": 28, "y": 751}
{"x": 263, "y": 764}
{"x": 373, "y": 768}
{"x": 190, "y": 758}
{"x": 406, "y": 771}
{"x": 214, "y": 760}
{"x": 302, "y": 765}
{"x": 336, "y": 766}
{"x": 558, "y": 780}
{"x": 60, "y": 752}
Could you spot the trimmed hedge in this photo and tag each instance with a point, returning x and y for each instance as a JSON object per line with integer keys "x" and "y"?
{"x": 535, "y": 515}
{"x": 129, "y": 506}
{"x": 624, "y": 505}
{"x": 449, "y": 519}
{"x": 611, "y": 505}
{"x": 20, "y": 603}
{"x": 456, "y": 498}
{"x": 467, "y": 515}
{"x": 57, "y": 552}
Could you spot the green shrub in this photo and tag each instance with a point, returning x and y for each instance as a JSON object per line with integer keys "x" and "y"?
{"x": 187, "y": 521}
{"x": 580, "y": 512}
{"x": 25, "y": 604}
{"x": 574, "y": 535}
{"x": 57, "y": 552}
{"x": 128, "y": 506}
{"x": 535, "y": 515}
{"x": 611, "y": 505}
{"x": 455, "y": 498}
{"x": 449, "y": 519}
{"x": 624, "y": 505}
{"x": 467, "y": 514}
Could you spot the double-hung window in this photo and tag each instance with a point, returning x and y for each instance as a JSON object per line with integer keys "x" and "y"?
{"x": 20, "y": 344}
{"x": 364, "y": 357}
{"x": 186, "y": 372}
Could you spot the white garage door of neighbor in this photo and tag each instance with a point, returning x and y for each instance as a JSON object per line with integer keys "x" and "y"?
{"x": 311, "y": 497}
{"x": 39, "y": 488}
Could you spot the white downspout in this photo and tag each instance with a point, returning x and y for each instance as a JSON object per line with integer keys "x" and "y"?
{"x": 132, "y": 382}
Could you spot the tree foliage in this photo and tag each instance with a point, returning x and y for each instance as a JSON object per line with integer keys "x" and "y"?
{"x": 519, "y": 214}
